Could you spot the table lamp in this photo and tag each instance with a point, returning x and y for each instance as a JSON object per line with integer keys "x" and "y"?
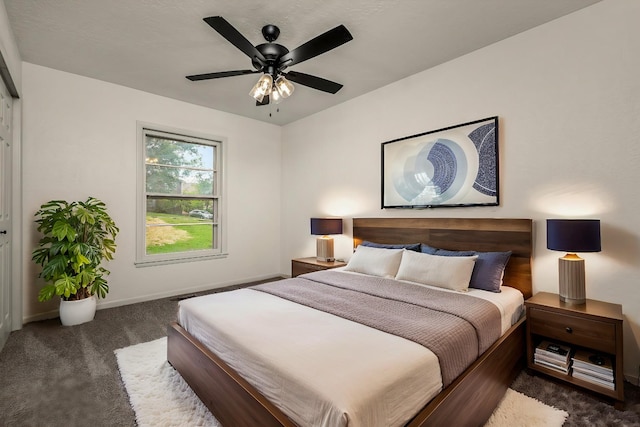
{"x": 571, "y": 236}
{"x": 324, "y": 227}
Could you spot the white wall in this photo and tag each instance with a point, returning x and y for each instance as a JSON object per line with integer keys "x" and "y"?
{"x": 568, "y": 97}
{"x": 79, "y": 139}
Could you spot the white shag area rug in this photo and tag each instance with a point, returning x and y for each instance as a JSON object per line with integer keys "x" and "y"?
{"x": 518, "y": 410}
{"x": 160, "y": 397}
{"x": 158, "y": 394}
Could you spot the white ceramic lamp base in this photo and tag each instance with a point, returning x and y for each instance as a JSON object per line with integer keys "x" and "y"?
{"x": 572, "y": 289}
{"x": 324, "y": 249}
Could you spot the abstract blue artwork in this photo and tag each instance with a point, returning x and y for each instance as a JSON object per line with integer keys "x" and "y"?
{"x": 453, "y": 166}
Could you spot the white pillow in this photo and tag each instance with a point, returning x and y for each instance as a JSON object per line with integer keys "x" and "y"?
{"x": 375, "y": 261}
{"x": 450, "y": 272}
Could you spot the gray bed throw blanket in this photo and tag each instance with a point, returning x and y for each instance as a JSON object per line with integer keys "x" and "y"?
{"x": 457, "y": 328}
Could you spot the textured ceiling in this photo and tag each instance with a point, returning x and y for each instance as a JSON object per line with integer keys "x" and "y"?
{"x": 151, "y": 45}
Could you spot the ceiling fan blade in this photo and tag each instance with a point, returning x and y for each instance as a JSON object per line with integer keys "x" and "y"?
{"x": 316, "y": 46}
{"x": 234, "y": 37}
{"x": 220, "y": 74}
{"x": 313, "y": 81}
{"x": 265, "y": 101}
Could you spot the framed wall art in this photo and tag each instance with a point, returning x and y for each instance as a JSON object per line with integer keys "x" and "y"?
{"x": 453, "y": 166}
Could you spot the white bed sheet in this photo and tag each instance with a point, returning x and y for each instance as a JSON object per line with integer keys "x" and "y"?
{"x": 320, "y": 369}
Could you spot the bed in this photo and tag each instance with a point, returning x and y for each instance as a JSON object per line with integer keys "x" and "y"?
{"x": 234, "y": 401}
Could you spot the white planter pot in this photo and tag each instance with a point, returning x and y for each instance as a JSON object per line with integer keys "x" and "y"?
{"x": 77, "y": 312}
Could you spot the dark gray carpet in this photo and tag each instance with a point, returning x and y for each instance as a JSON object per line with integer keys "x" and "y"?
{"x": 584, "y": 409}
{"x": 67, "y": 376}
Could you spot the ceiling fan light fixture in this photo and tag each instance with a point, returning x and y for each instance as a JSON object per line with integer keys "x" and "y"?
{"x": 284, "y": 87}
{"x": 262, "y": 87}
{"x": 275, "y": 97}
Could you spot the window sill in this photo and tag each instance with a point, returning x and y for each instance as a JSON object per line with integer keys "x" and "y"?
{"x": 151, "y": 263}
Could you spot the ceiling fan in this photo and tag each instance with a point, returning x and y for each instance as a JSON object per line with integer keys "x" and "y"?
{"x": 272, "y": 59}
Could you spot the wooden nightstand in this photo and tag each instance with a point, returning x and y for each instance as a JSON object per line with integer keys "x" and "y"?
{"x": 307, "y": 265}
{"x": 595, "y": 326}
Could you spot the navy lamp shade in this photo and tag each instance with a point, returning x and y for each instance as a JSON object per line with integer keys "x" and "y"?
{"x": 323, "y": 227}
{"x": 571, "y": 236}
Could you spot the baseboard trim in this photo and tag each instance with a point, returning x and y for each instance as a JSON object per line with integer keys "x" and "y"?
{"x": 40, "y": 316}
{"x": 182, "y": 291}
{"x": 102, "y": 304}
{"x": 633, "y": 379}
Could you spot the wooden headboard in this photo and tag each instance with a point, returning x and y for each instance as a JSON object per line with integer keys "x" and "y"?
{"x": 478, "y": 234}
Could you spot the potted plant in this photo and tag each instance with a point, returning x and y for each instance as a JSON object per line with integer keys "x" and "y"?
{"x": 77, "y": 237}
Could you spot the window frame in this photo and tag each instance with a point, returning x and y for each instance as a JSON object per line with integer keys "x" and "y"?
{"x": 142, "y": 258}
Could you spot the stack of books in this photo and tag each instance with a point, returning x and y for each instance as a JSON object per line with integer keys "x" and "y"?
{"x": 553, "y": 356}
{"x": 594, "y": 368}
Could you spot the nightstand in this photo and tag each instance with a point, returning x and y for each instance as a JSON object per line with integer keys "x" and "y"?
{"x": 307, "y": 265}
{"x": 595, "y": 326}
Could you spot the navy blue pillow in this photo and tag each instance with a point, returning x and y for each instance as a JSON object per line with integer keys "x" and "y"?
{"x": 426, "y": 249}
{"x": 446, "y": 252}
{"x": 409, "y": 246}
{"x": 488, "y": 270}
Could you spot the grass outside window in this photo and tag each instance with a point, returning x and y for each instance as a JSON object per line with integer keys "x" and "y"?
{"x": 166, "y": 233}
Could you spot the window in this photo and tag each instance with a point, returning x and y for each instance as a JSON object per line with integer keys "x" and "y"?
{"x": 180, "y": 205}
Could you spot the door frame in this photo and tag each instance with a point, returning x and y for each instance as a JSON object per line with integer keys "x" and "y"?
{"x": 16, "y": 197}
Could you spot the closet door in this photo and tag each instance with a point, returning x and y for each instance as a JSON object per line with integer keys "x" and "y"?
{"x": 6, "y": 103}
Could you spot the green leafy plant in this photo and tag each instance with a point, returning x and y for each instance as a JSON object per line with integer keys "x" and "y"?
{"x": 78, "y": 236}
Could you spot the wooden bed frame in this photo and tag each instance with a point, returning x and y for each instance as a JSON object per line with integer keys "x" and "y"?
{"x": 468, "y": 401}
